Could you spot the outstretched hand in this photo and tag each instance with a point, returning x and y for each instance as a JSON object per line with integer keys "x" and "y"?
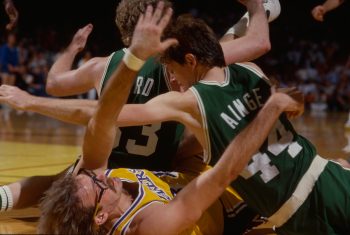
{"x": 12, "y": 13}
{"x": 146, "y": 40}
{"x": 80, "y": 38}
{"x": 318, "y": 13}
{"x": 291, "y": 100}
{"x": 14, "y": 97}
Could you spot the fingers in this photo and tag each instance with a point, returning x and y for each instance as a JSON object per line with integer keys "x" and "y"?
{"x": 155, "y": 17}
{"x": 166, "y": 18}
{"x": 158, "y": 13}
{"x": 148, "y": 13}
{"x": 318, "y": 13}
{"x": 168, "y": 43}
{"x": 6, "y": 89}
{"x": 88, "y": 28}
{"x": 12, "y": 13}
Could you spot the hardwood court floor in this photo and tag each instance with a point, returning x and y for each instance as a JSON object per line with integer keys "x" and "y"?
{"x": 35, "y": 145}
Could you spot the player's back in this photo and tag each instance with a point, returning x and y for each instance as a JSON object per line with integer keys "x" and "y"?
{"x": 273, "y": 173}
{"x": 149, "y": 147}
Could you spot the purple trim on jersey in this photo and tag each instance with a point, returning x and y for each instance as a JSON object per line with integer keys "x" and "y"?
{"x": 108, "y": 172}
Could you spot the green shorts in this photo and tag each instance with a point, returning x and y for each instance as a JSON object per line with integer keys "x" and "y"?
{"x": 327, "y": 208}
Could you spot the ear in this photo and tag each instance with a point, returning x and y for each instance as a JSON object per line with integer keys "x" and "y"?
{"x": 101, "y": 218}
{"x": 191, "y": 60}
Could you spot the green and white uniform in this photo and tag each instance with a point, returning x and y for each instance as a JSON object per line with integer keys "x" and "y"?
{"x": 286, "y": 160}
{"x": 153, "y": 147}
{"x": 149, "y": 147}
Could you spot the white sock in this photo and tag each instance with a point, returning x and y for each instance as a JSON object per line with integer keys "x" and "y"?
{"x": 240, "y": 27}
{"x": 6, "y": 198}
{"x": 272, "y": 9}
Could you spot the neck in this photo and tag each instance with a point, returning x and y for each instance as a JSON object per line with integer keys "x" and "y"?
{"x": 214, "y": 74}
{"x": 201, "y": 73}
{"x": 129, "y": 193}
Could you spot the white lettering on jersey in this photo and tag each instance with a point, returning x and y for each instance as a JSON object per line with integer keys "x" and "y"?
{"x": 143, "y": 86}
{"x": 260, "y": 163}
{"x": 241, "y": 108}
{"x": 279, "y": 140}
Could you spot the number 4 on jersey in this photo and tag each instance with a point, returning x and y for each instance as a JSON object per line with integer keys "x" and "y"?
{"x": 278, "y": 140}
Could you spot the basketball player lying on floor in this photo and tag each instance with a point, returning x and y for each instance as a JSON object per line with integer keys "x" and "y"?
{"x": 295, "y": 179}
{"x": 287, "y": 174}
{"x": 135, "y": 201}
{"x": 128, "y": 153}
{"x": 162, "y": 144}
{"x": 286, "y": 181}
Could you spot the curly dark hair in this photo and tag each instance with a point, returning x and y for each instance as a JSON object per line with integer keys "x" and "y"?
{"x": 195, "y": 37}
{"x": 127, "y": 15}
{"x": 62, "y": 211}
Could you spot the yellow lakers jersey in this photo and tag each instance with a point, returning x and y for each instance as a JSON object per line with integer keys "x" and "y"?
{"x": 151, "y": 190}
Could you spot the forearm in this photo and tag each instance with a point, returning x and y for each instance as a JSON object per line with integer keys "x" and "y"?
{"x": 331, "y": 4}
{"x": 205, "y": 189}
{"x": 254, "y": 43}
{"x": 248, "y": 141}
{"x": 75, "y": 111}
{"x": 99, "y": 136}
{"x": 110, "y": 104}
{"x": 62, "y": 64}
{"x": 258, "y": 30}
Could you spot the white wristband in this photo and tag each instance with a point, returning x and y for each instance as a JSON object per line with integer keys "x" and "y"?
{"x": 132, "y": 62}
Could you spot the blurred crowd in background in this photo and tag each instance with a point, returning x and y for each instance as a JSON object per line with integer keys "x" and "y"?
{"x": 311, "y": 55}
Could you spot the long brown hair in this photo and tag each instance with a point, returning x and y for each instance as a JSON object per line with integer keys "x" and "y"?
{"x": 62, "y": 211}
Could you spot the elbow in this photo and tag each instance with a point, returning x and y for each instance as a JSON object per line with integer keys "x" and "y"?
{"x": 191, "y": 218}
{"x": 267, "y": 45}
{"x": 50, "y": 86}
{"x": 264, "y": 46}
{"x": 49, "y": 89}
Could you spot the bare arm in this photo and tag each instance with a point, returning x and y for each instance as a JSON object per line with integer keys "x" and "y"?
{"x": 190, "y": 203}
{"x": 101, "y": 130}
{"x": 75, "y": 111}
{"x": 319, "y": 11}
{"x": 12, "y": 13}
{"x": 80, "y": 111}
{"x": 255, "y": 42}
{"x": 332, "y": 4}
{"x": 165, "y": 107}
{"x": 62, "y": 81}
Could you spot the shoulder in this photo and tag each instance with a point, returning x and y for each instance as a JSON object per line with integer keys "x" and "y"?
{"x": 253, "y": 66}
{"x": 95, "y": 65}
{"x": 255, "y": 69}
{"x": 144, "y": 222}
{"x": 179, "y": 97}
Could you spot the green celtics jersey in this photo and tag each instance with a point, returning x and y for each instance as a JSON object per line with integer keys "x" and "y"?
{"x": 226, "y": 108}
{"x": 149, "y": 147}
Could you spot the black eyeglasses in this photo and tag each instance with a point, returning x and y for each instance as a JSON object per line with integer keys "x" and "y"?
{"x": 103, "y": 187}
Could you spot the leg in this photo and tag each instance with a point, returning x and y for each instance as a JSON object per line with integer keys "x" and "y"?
{"x": 272, "y": 8}
{"x": 26, "y": 192}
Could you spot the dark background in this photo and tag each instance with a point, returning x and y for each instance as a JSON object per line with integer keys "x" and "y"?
{"x": 62, "y": 18}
